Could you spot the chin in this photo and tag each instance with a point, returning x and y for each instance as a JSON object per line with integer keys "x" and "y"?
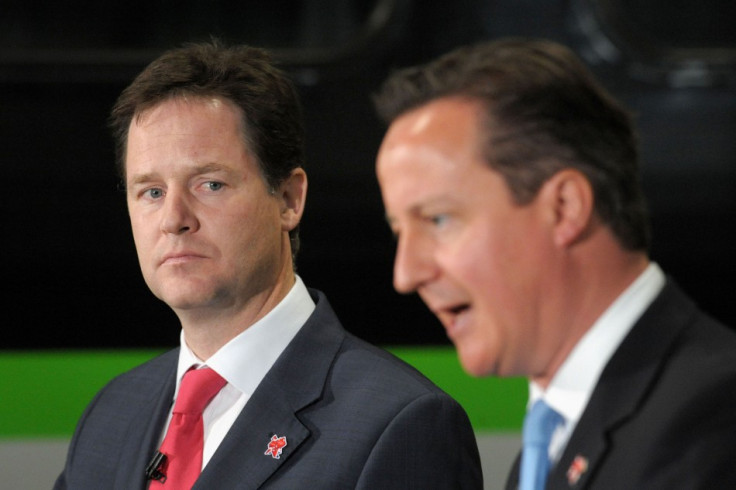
{"x": 475, "y": 361}
{"x": 183, "y": 300}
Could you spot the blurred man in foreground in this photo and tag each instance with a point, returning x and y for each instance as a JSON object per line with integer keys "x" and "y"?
{"x": 511, "y": 181}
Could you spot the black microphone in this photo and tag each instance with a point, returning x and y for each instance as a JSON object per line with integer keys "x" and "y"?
{"x": 154, "y": 469}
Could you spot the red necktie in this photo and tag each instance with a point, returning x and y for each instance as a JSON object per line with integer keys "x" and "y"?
{"x": 185, "y": 437}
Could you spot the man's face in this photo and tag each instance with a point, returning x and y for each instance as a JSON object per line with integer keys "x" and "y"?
{"x": 207, "y": 231}
{"x": 473, "y": 255}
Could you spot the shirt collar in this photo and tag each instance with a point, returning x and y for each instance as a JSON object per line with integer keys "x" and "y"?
{"x": 572, "y": 386}
{"x": 245, "y": 360}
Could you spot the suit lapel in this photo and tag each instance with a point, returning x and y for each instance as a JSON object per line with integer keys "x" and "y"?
{"x": 241, "y": 460}
{"x": 624, "y": 383}
{"x": 146, "y": 427}
{"x": 295, "y": 381}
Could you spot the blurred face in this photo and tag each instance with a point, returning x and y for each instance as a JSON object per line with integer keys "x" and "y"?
{"x": 474, "y": 257}
{"x": 208, "y": 232}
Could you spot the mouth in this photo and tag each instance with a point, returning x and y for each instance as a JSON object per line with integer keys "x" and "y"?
{"x": 180, "y": 258}
{"x": 456, "y": 310}
{"x": 452, "y": 317}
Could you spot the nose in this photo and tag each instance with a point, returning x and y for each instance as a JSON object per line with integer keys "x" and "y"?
{"x": 414, "y": 264}
{"x": 178, "y": 214}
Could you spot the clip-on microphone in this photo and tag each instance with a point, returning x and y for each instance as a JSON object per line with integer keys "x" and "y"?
{"x": 154, "y": 469}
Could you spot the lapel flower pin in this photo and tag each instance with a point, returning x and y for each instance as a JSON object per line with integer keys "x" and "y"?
{"x": 577, "y": 468}
{"x": 275, "y": 446}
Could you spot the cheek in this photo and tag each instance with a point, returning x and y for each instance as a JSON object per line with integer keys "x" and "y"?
{"x": 140, "y": 222}
{"x": 138, "y": 229}
{"x": 475, "y": 264}
{"x": 142, "y": 233}
{"x": 246, "y": 239}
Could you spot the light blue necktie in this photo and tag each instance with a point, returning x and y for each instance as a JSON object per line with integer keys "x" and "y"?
{"x": 539, "y": 424}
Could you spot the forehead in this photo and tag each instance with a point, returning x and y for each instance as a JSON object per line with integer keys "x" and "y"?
{"x": 185, "y": 130}
{"x": 449, "y": 123}
{"x": 440, "y": 140}
{"x": 195, "y": 112}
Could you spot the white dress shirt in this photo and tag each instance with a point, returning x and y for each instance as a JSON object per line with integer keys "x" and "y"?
{"x": 244, "y": 362}
{"x": 573, "y": 384}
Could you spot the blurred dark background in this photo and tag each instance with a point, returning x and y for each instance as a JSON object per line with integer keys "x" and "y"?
{"x": 70, "y": 272}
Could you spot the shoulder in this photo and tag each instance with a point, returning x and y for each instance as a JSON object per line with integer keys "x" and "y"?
{"x": 378, "y": 367}
{"x": 117, "y": 418}
{"x": 354, "y": 371}
{"x": 670, "y": 385}
{"x": 674, "y": 332}
{"x": 354, "y": 361}
{"x": 676, "y": 354}
{"x": 701, "y": 363}
{"x": 404, "y": 413}
{"x": 149, "y": 374}
{"x": 694, "y": 343}
{"x": 135, "y": 387}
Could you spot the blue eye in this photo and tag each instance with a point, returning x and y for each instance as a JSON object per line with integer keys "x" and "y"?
{"x": 438, "y": 219}
{"x": 214, "y": 186}
{"x": 155, "y": 193}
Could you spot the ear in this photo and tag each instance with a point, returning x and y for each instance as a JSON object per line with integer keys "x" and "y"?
{"x": 572, "y": 201}
{"x": 293, "y": 195}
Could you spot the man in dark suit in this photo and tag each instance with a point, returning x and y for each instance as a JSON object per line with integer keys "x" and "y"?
{"x": 510, "y": 179}
{"x": 210, "y": 146}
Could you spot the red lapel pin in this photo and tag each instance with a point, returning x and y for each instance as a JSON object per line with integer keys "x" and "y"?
{"x": 275, "y": 446}
{"x": 577, "y": 468}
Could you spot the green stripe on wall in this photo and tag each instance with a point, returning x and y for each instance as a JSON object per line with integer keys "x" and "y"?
{"x": 42, "y": 394}
{"x": 493, "y": 404}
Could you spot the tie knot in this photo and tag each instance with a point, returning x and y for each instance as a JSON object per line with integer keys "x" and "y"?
{"x": 540, "y": 423}
{"x": 198, "y": 387}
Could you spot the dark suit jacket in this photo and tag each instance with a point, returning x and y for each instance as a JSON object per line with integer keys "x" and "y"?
{"x": 353, "y": 415}
{"x": 663, "y": 414}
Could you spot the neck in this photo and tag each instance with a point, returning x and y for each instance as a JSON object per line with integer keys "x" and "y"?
{"x": 590, "y": 282}
{"x": 206, "y": 330}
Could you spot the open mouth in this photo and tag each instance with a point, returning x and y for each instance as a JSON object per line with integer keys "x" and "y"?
{"x": 456, "y": 310}
{"x": 448, "y": 316}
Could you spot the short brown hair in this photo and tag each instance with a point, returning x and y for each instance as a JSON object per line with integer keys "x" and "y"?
{"x": 544, "y": 111}
{"x": 272, "y": 117}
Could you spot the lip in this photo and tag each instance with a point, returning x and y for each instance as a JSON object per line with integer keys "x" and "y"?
{"x": 452, "y": 318}
{"x": 181, "y": 257}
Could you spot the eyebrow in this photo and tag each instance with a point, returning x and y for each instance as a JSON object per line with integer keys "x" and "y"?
{"x": 196, "y": 170}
